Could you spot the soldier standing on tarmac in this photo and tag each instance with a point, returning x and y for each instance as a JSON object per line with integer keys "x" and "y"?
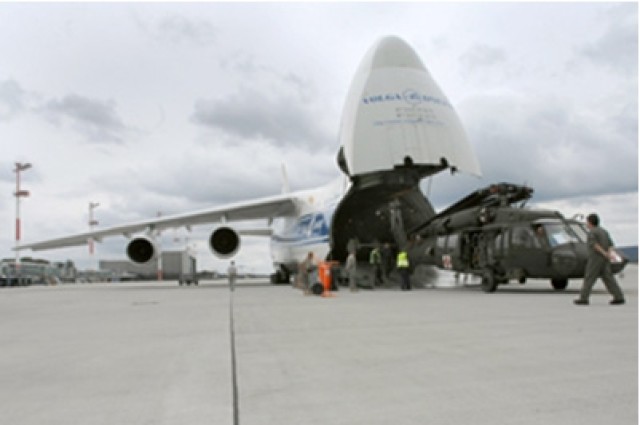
{"x": 601, "y": 253}
{"x": 304, "y": 271}
{"x": 350, "y": 268}
{"x": 375, "y": 258}
{"x": 387, "y": 260}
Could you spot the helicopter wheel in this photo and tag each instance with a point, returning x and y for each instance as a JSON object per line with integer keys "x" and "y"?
{"x": 559, "y": 284}
{"x": 489, "y": 283}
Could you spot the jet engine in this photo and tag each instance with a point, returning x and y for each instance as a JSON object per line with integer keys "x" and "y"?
{"x": 224, "y": 242}
{"x": 141, "y": 250}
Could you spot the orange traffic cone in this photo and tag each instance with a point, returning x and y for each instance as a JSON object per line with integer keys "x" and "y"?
{"x": 324, "y": 270}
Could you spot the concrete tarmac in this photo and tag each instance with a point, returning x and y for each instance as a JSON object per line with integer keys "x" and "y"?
{"x": 157, "y": 353}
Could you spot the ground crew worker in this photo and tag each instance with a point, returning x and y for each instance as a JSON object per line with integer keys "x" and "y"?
{"x": 350, "y": 268}
{"x": 375, "y": 258}
{"x": 306, "y": 267}
{"x": 601, "y": 253}
{"x": 402, "y": 264}
{"x": 232, "y": 274}
{"x": 387, "y": 260}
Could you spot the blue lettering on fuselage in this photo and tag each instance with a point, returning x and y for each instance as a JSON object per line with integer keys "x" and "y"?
{"x": 308, "y": 229}
{"x": 410, "y": 96}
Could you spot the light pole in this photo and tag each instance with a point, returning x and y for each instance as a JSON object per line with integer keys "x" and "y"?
{"x": 160, "y": 271}
{"x": 20, "y": 166}
{"x": 92, "y": 222}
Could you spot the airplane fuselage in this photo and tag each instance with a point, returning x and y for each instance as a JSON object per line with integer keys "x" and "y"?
{"x": 308, "y": 230}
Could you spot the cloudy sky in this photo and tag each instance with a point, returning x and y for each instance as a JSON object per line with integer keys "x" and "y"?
{"x": 170, "y": 107}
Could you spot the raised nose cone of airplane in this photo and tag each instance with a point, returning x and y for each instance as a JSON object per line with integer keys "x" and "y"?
{"x": 395, "y": 114}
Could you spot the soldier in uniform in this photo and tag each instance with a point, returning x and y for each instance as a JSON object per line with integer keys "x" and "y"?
{"x": 351, "y": 269}
{"x": 387, "y": 260}
{"x": 306, "y": 269}
{"x": 375, "y": 258}
{"x": 601, "y": 252}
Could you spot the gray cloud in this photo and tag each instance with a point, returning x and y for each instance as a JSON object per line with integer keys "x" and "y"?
{"x": 617, "y": 48}
{"x": 278, "y": 106}
{"x": 560, "y": 149}
{"x": 251, "y": 167}
{"x": 280, "y": 117}
{"x": 482, "y": 56}
{"x": 219, "y": 173}
{"x": 6, "y": 173}
{"x": 97, "y": 120}
{"x": 179, "y": 29}
{"x": 12, "y": 99}
{"x": 220, "y": 177}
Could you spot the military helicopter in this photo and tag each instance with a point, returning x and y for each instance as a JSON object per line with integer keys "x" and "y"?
{"x": 485, "y": 234}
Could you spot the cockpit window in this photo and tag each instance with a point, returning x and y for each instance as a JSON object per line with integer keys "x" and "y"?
{"x": 523, "y": 237}
{"x": 580, "y": 230}
{"x": 559, "y": 233}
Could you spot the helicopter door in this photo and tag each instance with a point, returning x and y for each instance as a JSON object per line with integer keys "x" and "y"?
{"x": 474, "y": 252}
{"x": 526, "y": 252}
{"x": 466, "y": 249}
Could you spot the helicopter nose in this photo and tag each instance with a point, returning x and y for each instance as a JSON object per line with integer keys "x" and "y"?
{"x": 564, "y": 260}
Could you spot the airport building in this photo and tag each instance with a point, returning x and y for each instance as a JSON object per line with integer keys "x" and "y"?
{"x": 36, "y": 271}
{"x": 173, "y": 265}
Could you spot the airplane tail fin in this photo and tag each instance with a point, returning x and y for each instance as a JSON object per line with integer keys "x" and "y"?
{"x": 285, "y": 180}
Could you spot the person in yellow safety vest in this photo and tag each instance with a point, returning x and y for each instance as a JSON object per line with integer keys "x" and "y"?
{"x": 402, "y": 264}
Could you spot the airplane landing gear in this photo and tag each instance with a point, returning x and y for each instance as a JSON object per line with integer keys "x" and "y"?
{"x": 281, "y": 276}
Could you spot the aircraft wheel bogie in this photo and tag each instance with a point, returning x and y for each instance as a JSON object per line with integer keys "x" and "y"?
{"x": 281, "y": 276}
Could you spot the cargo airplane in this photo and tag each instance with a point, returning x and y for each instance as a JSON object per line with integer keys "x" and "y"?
{"x": 397, "y": 128}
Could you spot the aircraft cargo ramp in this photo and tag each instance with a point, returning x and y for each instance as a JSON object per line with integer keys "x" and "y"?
{"x": 157, "y": 353}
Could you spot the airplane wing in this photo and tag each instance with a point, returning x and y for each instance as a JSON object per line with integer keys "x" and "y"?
{"x": 270, "y": 207}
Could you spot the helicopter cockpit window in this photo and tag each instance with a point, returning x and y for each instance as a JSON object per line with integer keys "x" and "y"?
{"x": 580, "y": 231}
{"x": 559, "y": 233}
{"x": 523, "y": 237}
